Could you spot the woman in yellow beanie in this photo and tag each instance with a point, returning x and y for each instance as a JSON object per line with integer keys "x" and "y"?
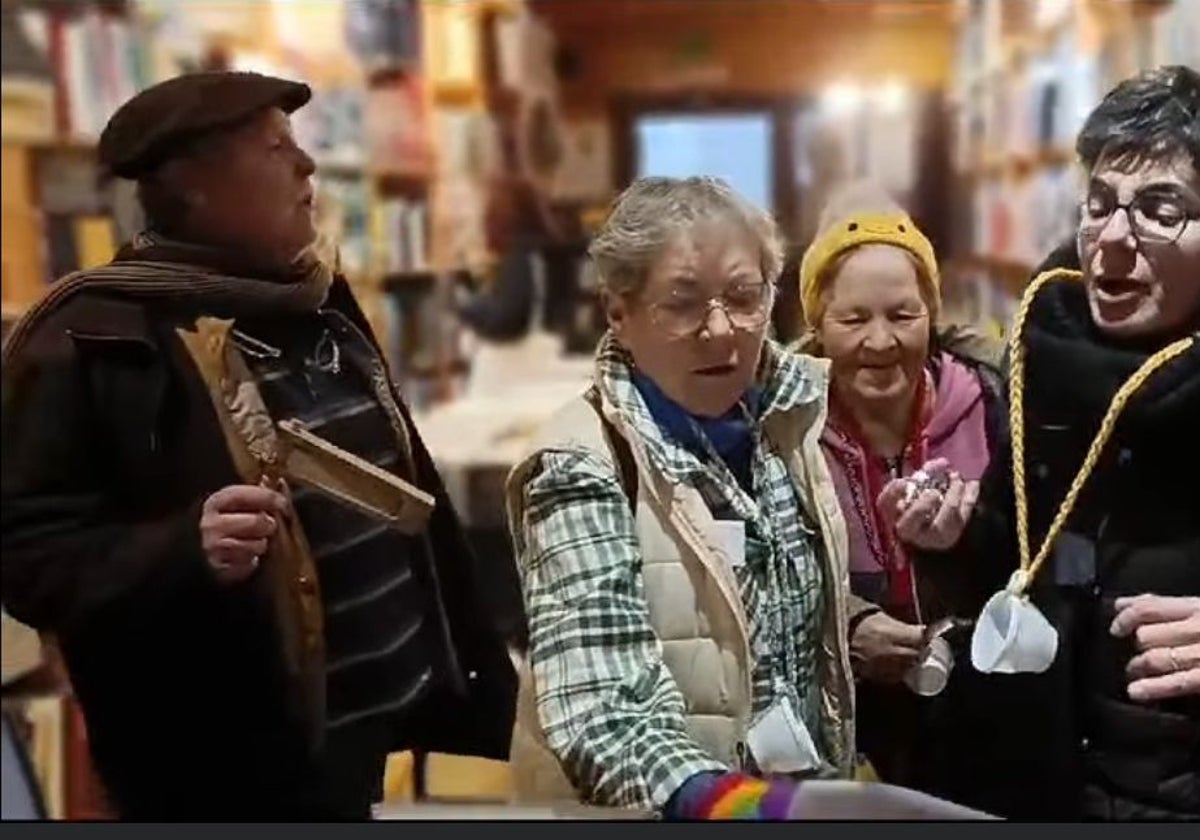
{"x": 901, "y": 401}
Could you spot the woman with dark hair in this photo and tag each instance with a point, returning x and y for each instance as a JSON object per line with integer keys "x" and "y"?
{"x": 1086, "y": 530}
{"x": 241, "y": 650}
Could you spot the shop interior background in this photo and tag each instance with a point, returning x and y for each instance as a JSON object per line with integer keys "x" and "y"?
{"x": 965, "y": 109}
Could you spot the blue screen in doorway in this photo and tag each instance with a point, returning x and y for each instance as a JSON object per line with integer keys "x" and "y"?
{"x": 735, "y": 147}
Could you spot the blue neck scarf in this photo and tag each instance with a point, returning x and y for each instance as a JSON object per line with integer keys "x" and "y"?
{"x": 731, "y": 434}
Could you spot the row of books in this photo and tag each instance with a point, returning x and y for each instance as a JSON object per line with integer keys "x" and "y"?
{"x": 344, "y": 216}
{"x": 397, "y": 126}
{"x": 48, "y": 723}
{"x": 58, "y": 218}
{"x": 383, "y": 127}
{"x": 399, "y": 234}
{"x": 384, "y": 33}
{"x": 1170, "y": 37}
{"x": 330, "y": 127}
{"x": 1020, "y": 221}
{"x": 375, "y": 235}
{"x": 978, "y": 296}
{"x": 97, "y": 60}
{"x": 1038, "y": 105}
{"x": 1039, "y": 98}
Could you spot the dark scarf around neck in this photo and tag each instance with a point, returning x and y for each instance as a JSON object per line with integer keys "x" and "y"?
{"x": 207, "y": 280}
{"x": 1073, "y": 370}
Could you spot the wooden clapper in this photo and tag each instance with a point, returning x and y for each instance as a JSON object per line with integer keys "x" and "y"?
{"x": 308, "y": 459}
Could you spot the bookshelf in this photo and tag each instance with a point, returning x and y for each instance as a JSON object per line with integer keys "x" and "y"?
{"x": 1029, "y": 72}
{"x": 67, "y": 67}
{"x": 483, "y": 62}
{"x": 405, "y": 133}
{"x": 417, "y": 104}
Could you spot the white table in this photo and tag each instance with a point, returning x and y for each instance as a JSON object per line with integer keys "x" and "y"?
{"x": 478, "y": 438}
{"x": 503, "y": 811}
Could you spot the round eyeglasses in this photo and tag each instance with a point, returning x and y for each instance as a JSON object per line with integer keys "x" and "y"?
{"x": 1154, "y": 216}
{"x": 746, "y": 305}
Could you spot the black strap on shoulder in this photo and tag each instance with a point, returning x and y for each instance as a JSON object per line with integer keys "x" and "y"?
{"x": 622, "y": 454}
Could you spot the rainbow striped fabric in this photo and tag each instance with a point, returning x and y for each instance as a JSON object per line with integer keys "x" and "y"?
{"x": 731, "y": 796}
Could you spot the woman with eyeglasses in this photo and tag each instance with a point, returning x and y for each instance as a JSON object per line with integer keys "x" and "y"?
{"x": 1086, "y": 540}
{"x": 905, "y": 398}
{"x": 682, "y": 552}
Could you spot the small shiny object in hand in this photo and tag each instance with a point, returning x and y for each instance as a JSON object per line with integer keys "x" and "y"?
{"x": 920, "y": 481}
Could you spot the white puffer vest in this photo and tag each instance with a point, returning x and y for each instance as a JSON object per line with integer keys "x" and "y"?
{"x": 693, "y": 598}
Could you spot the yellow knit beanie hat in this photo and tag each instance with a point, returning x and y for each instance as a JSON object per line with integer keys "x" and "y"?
{"x": 860, "y": 214}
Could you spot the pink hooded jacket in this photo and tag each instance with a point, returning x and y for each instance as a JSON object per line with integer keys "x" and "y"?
{"x": 951, "y": 427}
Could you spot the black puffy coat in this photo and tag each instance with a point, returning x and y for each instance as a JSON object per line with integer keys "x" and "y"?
{"x": 1069, "y": 743}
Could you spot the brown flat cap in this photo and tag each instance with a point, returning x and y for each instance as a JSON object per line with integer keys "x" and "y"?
{"x": 146, "y": 130}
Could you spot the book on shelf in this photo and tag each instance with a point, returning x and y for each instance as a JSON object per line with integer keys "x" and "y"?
{"x": 95, "y": 240}
{"x": 74, "y": 242}
{"x": 397, "y": 127}
{"x": 343, "y": 214}
{"x": 330, "y": 127}
{"x": 469, "y": 143}
{"x": 1054, "y": 210}
{"x": 452, "y": 44}
{"x": 52, "y": 729}
{"x": 399, "y": 235}
{"x": 384, "y": 33}
{"x": 27, "y": 83}
{"x": 43, "y": 728}
{"x": 96, "y": 61}
{"x": 67, "y": 182}
{"x": 1018, "y": 222}
{"x": 82, "y": 221}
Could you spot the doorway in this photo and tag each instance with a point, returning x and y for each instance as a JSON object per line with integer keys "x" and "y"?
{"x": 733, "y": 146}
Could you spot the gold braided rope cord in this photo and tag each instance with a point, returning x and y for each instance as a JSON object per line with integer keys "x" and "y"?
{"x": 1016, "y": 414}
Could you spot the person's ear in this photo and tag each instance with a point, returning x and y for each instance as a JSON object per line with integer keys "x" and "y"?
{"x": 616, "y": 309}
{"x": 184, "y": 179}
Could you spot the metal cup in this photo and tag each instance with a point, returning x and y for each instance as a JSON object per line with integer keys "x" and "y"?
{"x": 928, "y": 677}
{"x": 931, "y": 673}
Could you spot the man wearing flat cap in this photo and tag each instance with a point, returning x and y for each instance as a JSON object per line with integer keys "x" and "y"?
{"x": 242, "y": 646}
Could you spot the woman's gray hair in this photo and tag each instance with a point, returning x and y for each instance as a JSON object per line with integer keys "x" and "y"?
{"x": 651, "y": 212}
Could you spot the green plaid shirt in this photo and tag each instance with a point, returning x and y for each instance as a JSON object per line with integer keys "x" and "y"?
{"x": 610, "y": 709}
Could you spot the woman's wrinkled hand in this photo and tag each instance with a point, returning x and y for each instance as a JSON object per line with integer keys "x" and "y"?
{"x": 929, "y": 518}
{"x": 883, "y": 649}
{"x": 236, "y": 525}
{"x": 1166, "y": 631}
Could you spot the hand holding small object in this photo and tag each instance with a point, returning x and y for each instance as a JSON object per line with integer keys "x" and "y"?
{"x": 236, "y": 525}
{"x": 883, "y": 648}
{"x": 930, "y": 508}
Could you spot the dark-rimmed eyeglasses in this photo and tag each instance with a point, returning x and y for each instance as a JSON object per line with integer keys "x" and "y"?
{"x": 1155, "y": 215}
